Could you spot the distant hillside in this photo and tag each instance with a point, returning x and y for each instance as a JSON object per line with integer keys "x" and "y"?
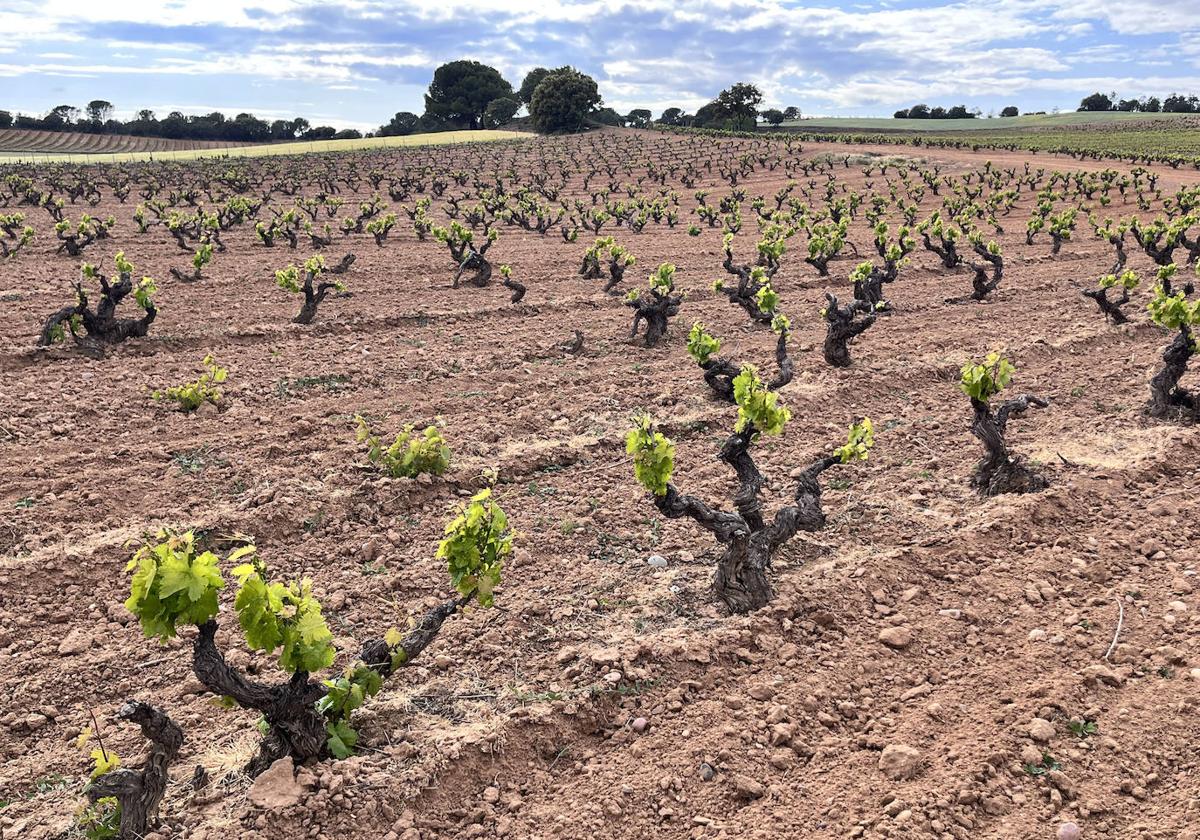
{"x": 32, "y": 141}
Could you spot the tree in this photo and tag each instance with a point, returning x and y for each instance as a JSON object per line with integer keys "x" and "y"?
{"x": 402, "y": 123}
{"x": 320, "y": 132}
{"x": 1009, "y": 111}
{"x": 739, "y": 104}
{"x": 918, "y": 112}
{"x": 773, "y": 116}
{"x": 6, "y": 119}
{"x": 461, "y": 90}
{"x": 563, "y": 100}
{"x": 499, "y": 111}
{"x": 98, "y": 111}
{"x": 1096, "y": 102}
{"x": 60, "y": 118}
{"x": 607, "y": 116}
{"x": 532, "y": 79}
{"x": 791, "y": 112}
{"x": 959, "y": 112}
{"x": 1178, "y": 104}
{"x": 1151, "y": 105}
{"x": 902, "y": 114}
{"x": 670, "y": 116}
{"x": 638, "y": 118}
{"x": 708, "y": 115}
{"x": 937, "y": 112}
{"x": 348, "y": 134}
{"x": 1128, "y": 105}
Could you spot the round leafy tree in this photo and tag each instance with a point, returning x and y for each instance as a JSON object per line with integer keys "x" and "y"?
{"x": 499, "y": 111}
{"x": 532, "y": 79}
{"x": 461, "y": 92}
{"x": 562, "y": 101}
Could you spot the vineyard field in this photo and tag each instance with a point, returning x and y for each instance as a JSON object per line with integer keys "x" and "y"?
{"x": 932, "y": 661}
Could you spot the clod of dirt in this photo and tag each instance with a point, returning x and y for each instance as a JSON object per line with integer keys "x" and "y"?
{"x": 900, "y": 761}
{"x": 897, "y": 638}
{"x": 276, "y": 787}
{"x": 1041, "y": 730}
{"x": 748, "y": 788}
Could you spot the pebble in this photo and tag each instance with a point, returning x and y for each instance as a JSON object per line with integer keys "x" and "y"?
{"x": 640, "y": 725}
{"x": 747, "y": 788}
{"x": 76, "y": 642}
{"x": 897, "y": 638}
{"x": 900, "y": 761}
{"x": 1041, "y": 730}
{"x": 1069, "y": 831}
{"x": 656, "y": 560}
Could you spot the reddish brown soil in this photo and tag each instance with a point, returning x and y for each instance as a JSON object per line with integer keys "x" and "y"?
{"x": 508, "y": 727}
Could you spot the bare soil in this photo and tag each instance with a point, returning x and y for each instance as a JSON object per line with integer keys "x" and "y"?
{"x": 513, "y": 724}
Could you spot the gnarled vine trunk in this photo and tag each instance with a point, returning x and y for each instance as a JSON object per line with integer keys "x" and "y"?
{"x": 1000, "y": 471}
{"x": 750, "y": 541}
{"x": 719, "y": 372}
{"x": 294, "y": 726}
{"x": 655, "y": 308}
{"x": 140, "y": 792}
{"x": 843, "y": 324}
{"x": 1169, "y": 400}
{"x": 103, "y": 325}
{"x": 1110, "y": 308}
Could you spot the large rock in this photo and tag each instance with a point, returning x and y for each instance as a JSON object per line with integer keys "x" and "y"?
{"x": 277, "y": 787}
{"x": 900, "y": 761}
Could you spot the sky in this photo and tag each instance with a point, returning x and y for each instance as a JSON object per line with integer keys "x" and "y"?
{"x": 354, "y": 63}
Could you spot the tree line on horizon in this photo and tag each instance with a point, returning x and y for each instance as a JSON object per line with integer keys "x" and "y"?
{"x": 96, "y": 118}
{"x": 1175, "y": 103}
{"x": 471, "y": 95}
{"x": 467, "y": 94}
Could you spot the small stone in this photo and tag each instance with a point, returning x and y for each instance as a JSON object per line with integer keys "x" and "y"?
{"x": 1069, "y": 831}
{"x": 900, "y": 761}
{"x": 762, "y": 692}
{"x": 707, "y": 772}
{"x": 656, "y": 560}
{"x": 897, "y": 638}
{"x": 1041, "y": 730}
{"x": 76, "y": 642}
{"x": 640, "y": 725}
{"x": 747, "y": 788}
{"x": 491, "y": 795}
{"x": 1031, "y": 755}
